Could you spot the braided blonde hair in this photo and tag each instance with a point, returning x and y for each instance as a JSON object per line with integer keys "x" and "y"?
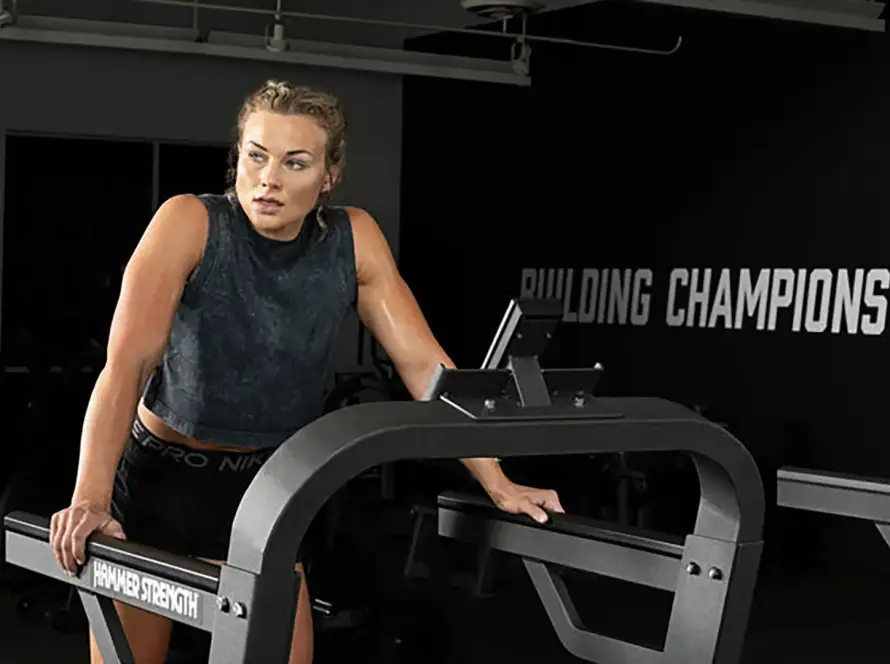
{"x": 285, "y": 98}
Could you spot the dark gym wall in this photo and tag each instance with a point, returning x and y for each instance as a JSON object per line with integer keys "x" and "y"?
{"x": 91, "y": 92}
{"x": 757, "y": 155}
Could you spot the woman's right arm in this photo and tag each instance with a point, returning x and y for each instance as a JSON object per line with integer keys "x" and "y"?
{"x": 153, "y": 282}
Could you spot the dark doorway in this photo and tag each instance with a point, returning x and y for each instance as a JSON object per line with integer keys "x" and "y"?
{"x": 74, "y": 210}
{"x": 191, "y": 169}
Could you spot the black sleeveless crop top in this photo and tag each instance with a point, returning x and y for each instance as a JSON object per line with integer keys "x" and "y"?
{"x": 252, "y": 342}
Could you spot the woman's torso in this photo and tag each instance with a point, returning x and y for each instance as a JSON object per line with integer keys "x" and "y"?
{"x": 252, "y": 341}
{"x": 163, "y": 431}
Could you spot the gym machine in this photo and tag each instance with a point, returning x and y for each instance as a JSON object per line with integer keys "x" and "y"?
{"x": 836, "y": 493}
{"x": 712, "y": 573}
{"x": 249, "y": 603}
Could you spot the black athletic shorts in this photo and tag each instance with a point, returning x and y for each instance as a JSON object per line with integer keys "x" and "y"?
{"x": 180, "y": 499}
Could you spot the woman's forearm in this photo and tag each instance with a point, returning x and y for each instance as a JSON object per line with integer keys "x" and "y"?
{"x": 488, "y": 473}
{"x": 109, "y": 417}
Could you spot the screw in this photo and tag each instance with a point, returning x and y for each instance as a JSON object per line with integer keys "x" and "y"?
{"x": 693, "y": 569}
{"x": 222, "y": 603}
{"x": 239, "y": 610}
{"x": 578, "y": 401}
{"x": 715, "y": 574}
{"x": 489, "y": 404}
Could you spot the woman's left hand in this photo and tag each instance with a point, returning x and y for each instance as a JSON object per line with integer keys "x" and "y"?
{"x": 519, "y": 499}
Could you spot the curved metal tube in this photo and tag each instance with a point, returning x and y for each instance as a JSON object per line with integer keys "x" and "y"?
{"x": 300, "y": 477}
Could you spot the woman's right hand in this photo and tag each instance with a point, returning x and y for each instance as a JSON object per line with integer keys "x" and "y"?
{"x": 70, "y": 528}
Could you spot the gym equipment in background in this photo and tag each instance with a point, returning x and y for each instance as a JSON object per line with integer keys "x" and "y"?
{"x": 249, "y": 603}
{"x": 836, "y": 493}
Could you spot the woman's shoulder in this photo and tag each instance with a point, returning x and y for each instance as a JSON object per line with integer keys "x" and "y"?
{"x": 195, "y": 203}
{"x": 357, "y": 218}
{"x": 360, "y": 222}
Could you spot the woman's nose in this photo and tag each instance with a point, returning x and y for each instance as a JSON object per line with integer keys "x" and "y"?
{"x": 269, "y": 177}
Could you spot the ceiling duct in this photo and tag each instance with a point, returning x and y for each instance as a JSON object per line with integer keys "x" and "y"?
{"x": 851, "y": 14}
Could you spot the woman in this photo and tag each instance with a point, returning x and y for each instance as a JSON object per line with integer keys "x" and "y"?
{"x": 229, "y": 312}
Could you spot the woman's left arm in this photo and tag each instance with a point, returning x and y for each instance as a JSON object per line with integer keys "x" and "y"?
{"x": 388, "y": 308}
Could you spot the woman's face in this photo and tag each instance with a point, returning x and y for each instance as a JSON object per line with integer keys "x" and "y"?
{"x": 281, "y": 171}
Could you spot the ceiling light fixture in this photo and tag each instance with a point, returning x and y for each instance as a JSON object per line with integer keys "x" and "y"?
{"x": 277, "y": 41}
{"x": 7, "y": 16}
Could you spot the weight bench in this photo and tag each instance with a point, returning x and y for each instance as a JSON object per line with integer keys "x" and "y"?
{"x": 249, "y": 603}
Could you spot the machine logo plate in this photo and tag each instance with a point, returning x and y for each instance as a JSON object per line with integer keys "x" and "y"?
{"x": 155, "y": 594}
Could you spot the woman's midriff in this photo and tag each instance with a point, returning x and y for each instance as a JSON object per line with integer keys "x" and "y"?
{"x": 162, "y": 430}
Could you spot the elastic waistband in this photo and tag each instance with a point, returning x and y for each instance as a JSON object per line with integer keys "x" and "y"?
{"x": 223, "y": 461}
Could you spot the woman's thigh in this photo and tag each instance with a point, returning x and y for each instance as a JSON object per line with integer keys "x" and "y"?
{"x": 148, "y": 635}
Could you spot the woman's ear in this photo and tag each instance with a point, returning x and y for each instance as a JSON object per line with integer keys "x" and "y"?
{"x": 333, "y": 177}
{"x": 327, "y": 184}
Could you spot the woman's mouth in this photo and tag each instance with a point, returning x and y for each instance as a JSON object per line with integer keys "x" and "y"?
{"x": 266, "y": 205}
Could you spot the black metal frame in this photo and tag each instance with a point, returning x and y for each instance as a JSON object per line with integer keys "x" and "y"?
{"x": 836, "y": 493}
{"x": 712, "y": 579}
{"x": 279, "y": 506}
{"x": 255, "y": 599}
{"x": 582, "y": 544}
